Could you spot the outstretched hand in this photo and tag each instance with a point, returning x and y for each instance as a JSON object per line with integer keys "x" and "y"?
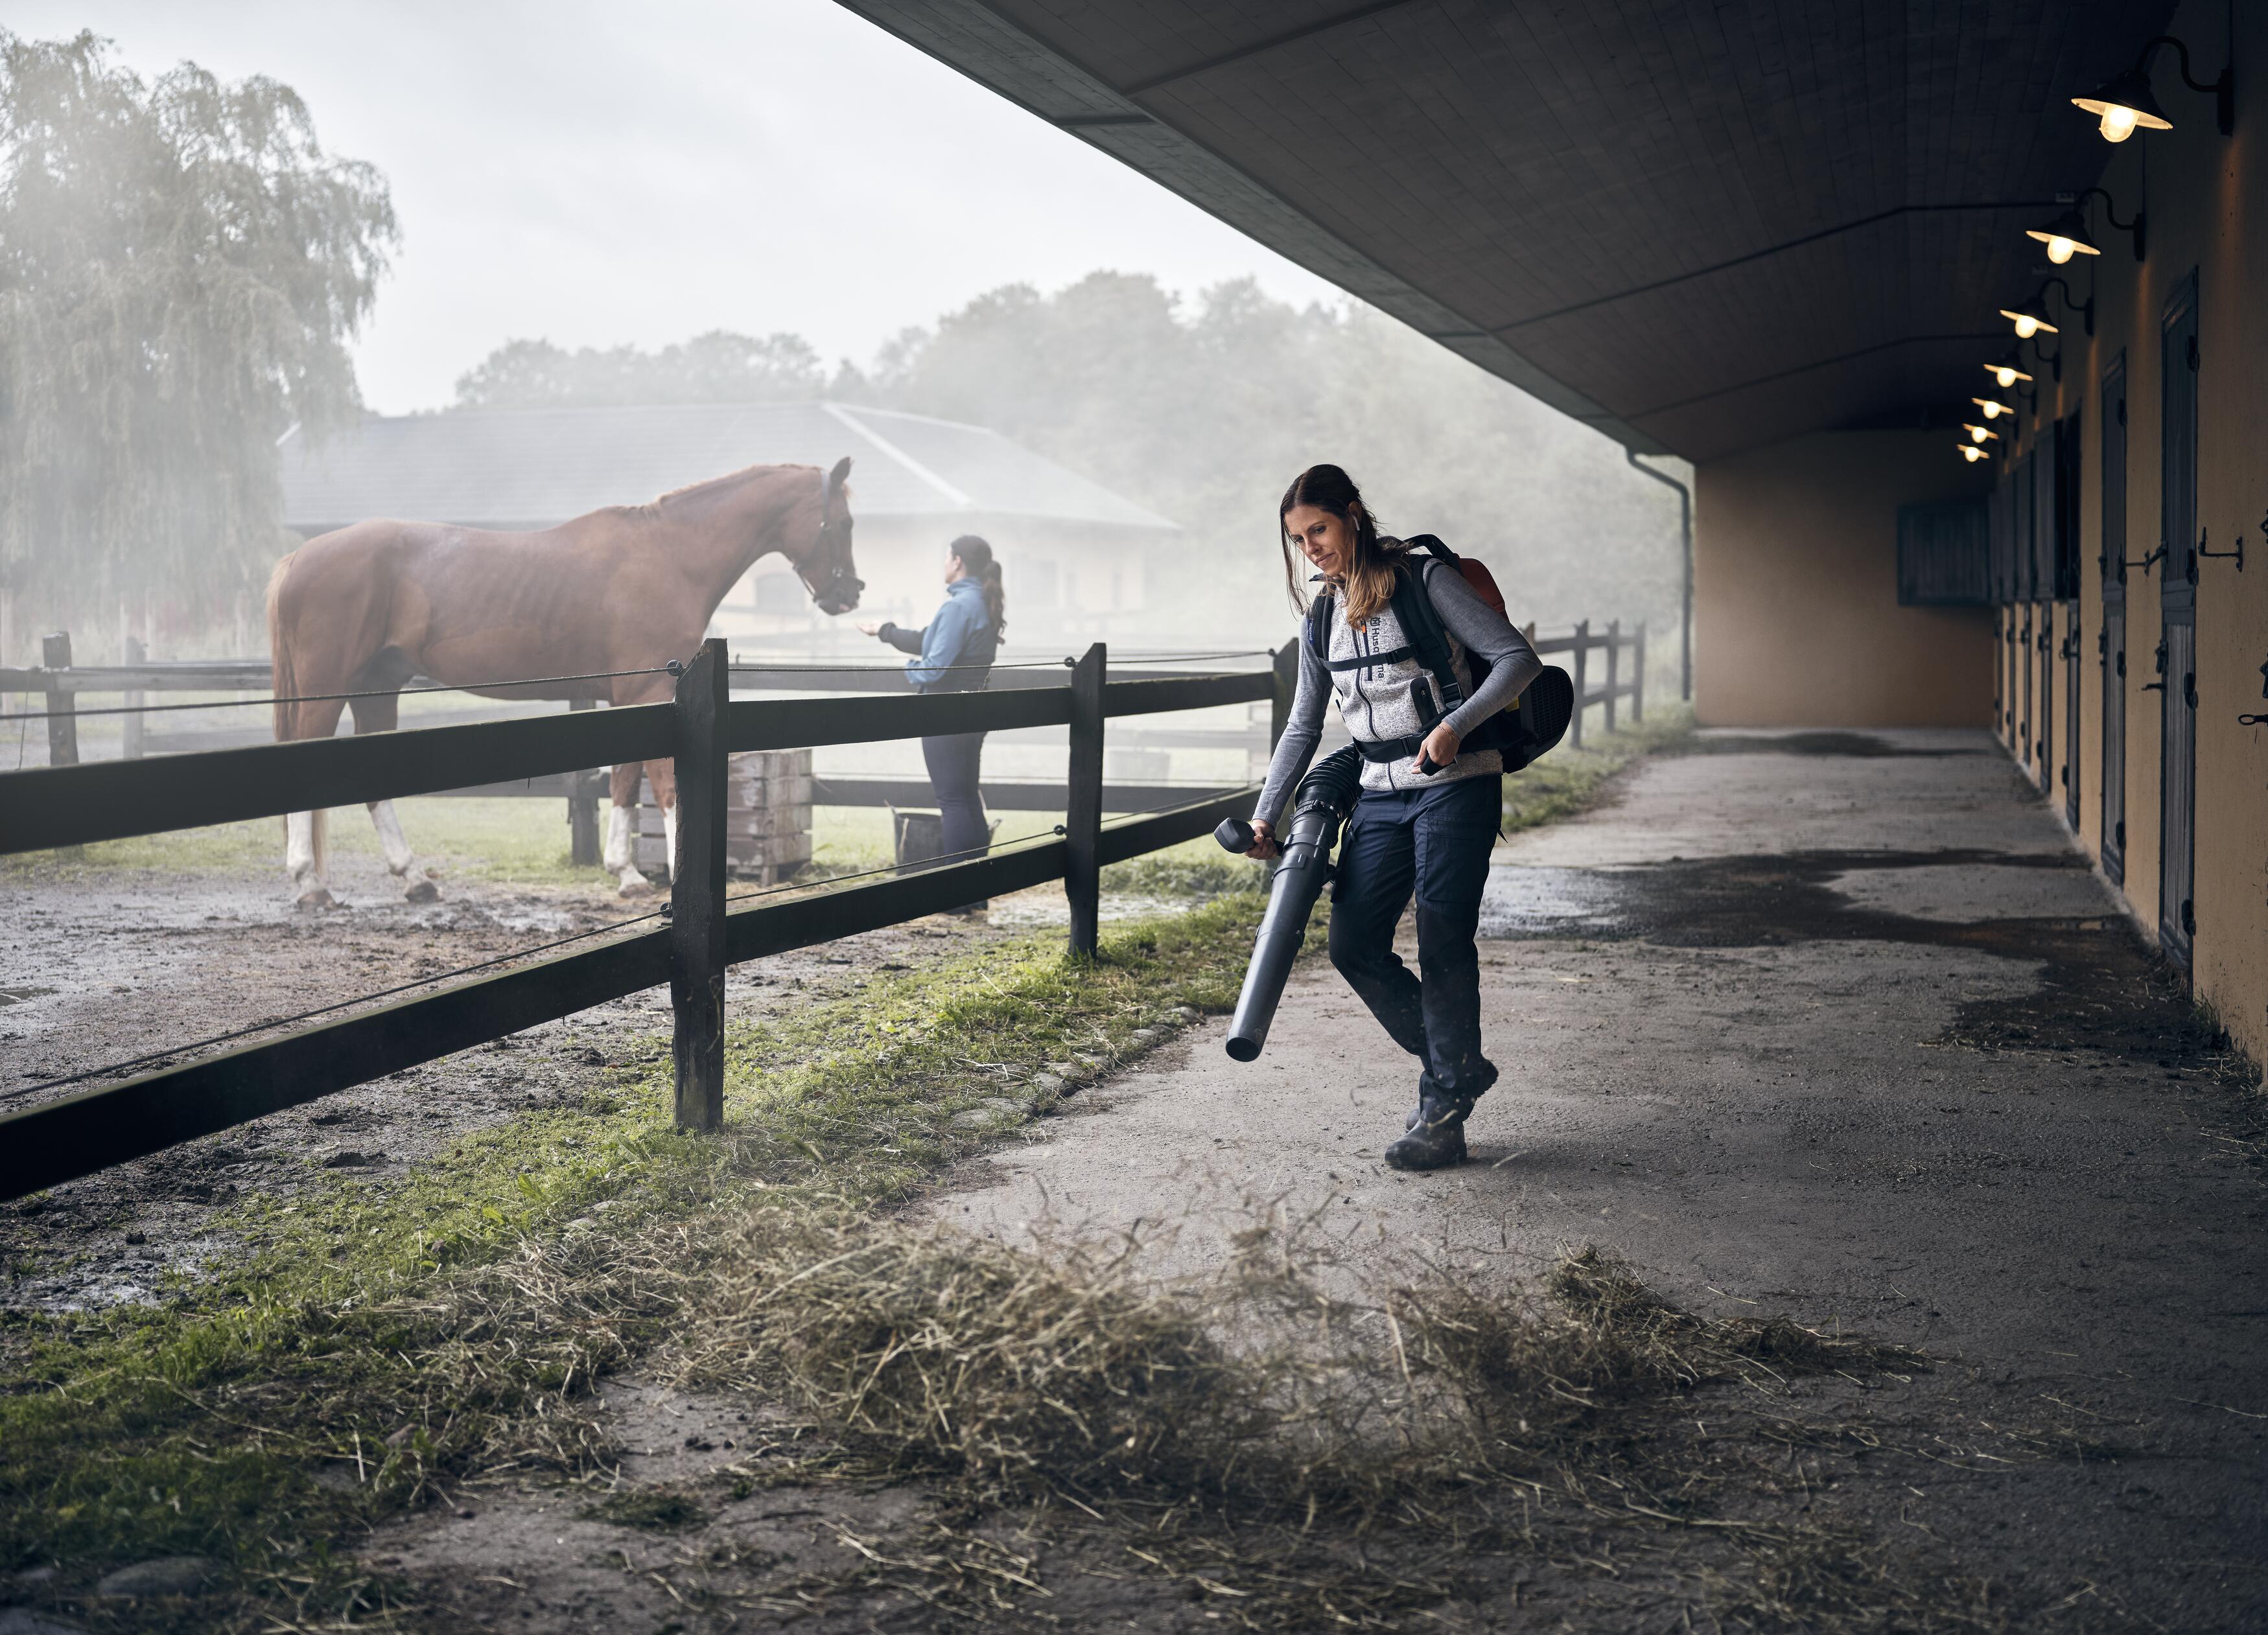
{"x": 869, "y": 627}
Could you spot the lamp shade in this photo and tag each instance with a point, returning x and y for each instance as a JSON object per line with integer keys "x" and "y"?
{"x": 2124, "y": 105}
{"x": 1992, "y": 407}
{"x": 1979, "y": 434}
{"x": 2030, "y": 319}
{"x": 2005, "y": 372}
{"x": 1970, "y": 452}
{"x": 2066, "y": 236}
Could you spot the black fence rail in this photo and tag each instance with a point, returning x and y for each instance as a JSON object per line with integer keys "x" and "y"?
{"x": 701, "y": 933}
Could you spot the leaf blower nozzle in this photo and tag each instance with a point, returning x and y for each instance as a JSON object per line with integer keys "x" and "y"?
{"x": 1326, "y": 796}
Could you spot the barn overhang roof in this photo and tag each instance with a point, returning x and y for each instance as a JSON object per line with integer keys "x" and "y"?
{"x": 1698, "y": 225}
{"x": 532, "y": 467}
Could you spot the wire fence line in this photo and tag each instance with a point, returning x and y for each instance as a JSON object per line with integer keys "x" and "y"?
{"x": 818, "y": 886}
{"x": 738, "y": 667}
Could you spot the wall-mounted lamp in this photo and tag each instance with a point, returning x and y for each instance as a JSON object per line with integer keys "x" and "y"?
{"x": 2126, "y": 104}
{"x": 2030, "y": 319}
{"x": 2004, "y": 373}
{"x": 2067, "y": 234}
{"x": 1993, "y": 407}
{"x": 1970, "y": 452}
{"x": 1978, "y": 434}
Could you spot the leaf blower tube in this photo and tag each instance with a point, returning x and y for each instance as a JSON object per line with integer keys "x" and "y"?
{"x": 1326, "y": 794}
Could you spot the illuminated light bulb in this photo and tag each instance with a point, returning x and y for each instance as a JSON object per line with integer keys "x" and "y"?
{"x": 2028, "y": 324}
{"x": 2006, "y": 374}
{"x": 2126, "y": 104}
{"x": 2060, "y": 250}
{"x": 1992, "y": 408}
{"x": 1978, "y": 434}
{"x": 1970, "y": 452}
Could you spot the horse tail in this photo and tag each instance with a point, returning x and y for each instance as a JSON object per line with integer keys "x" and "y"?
{"x": 283, "y": 672}
{"x": 283, "y": 683}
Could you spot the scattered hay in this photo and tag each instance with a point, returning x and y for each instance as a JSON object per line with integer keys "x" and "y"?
{"x": 1293, "y": 1457}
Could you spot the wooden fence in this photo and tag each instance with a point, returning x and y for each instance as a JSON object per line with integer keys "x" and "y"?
{"x": 700, "y": 936}
{"x": 70, "y": 803}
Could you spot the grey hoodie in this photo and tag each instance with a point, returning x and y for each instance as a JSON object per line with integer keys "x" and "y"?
{"x": 1377, "y": 700}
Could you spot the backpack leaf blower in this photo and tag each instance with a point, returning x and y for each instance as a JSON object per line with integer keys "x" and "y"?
{"x": 1326, "y": 795}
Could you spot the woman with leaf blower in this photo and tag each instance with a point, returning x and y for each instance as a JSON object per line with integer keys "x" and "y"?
{"x": 1424, "y": 669}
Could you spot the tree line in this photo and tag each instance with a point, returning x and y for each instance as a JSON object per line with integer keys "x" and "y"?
{"x": 183, "y": 266}
{"x": 1203, "y": 409}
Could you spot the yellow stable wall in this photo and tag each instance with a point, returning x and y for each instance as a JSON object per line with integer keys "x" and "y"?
{"x": 1795, "y": 595}
{"x": 2206, "y": 196}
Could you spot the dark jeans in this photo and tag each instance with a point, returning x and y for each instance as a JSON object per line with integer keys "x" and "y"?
{"x": 1435, "y": 841}
{"x": 951, "y": 765}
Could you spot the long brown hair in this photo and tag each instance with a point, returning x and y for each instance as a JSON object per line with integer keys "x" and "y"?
{"x": 1367, "y": 582}
{"x": 977, "y": 561}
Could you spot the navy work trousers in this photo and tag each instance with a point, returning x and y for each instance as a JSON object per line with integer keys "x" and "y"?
{"x": 952, "y": 774}
{"x": 1436, "y": 843}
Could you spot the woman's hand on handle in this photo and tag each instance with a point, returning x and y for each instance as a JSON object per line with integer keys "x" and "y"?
{"x": 1263, "y": 841}
{"x": 1439, "y": 749}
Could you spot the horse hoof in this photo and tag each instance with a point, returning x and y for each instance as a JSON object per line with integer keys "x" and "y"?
{"x": 423, "y": 891}
{"x": 636, "y": 885}
{"x": 315, "y": 899}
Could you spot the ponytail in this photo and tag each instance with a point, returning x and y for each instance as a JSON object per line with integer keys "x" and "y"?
{"x": 977, "y": 558}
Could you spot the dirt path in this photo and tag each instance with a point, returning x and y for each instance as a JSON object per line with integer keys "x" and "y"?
{"x": 1853, "y": 1037}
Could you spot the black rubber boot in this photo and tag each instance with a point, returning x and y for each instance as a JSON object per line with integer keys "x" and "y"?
{"x": 1436, "y": 1138}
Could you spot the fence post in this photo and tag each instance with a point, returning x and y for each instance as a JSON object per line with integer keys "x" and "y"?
{"x": 1637, "y": 681}
{"x": 1582, "y": 658}
{"x": 1083, "y": 819}
{"x": 135, "y": 653}
{"x": 62, "y": 725}
{"x": 696, "y": 891}
{"x": 582, "y": 811}
{"x": 1614, "y": 667}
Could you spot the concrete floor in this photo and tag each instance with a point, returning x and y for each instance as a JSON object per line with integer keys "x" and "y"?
{"x": 1835, "y": 1024}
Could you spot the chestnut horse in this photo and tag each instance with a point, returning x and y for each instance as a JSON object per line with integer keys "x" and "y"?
{"x": 629, "y": 588}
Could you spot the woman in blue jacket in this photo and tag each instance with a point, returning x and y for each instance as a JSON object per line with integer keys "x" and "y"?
{"x": 953, "y": 654}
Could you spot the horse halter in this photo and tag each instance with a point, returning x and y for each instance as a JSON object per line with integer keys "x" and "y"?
{"x": 842, "y": 584}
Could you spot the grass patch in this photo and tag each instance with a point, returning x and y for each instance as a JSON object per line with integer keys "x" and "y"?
{"x": 1569, "y": 781}
{"x": 375, "y": 1346}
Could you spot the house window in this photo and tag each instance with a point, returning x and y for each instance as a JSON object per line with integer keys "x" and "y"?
{"x": 1036, "y": 582}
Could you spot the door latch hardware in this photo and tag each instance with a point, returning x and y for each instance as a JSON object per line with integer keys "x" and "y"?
{"x": 2145, "y": 564}
{"x": 2237, "y": 555}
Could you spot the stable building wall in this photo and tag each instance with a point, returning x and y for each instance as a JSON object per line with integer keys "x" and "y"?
{"x": 2206, "y": 200}
{"x": 1796, "y": 601}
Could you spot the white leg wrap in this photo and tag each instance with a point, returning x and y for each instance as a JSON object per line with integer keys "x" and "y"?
{"x": 399, "y": 861}
{"x": 669, "y": 829}
{"x": 622, "y": 847}
{"x": 299, "y": 849}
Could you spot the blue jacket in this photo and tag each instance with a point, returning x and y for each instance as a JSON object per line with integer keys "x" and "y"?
{"x": 957, "y": 646}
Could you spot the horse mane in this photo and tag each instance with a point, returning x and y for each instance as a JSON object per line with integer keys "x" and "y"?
{"x": 707, "y": 486}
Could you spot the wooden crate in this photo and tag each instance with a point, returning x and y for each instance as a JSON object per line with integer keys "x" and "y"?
{"x": 767, "y": 818}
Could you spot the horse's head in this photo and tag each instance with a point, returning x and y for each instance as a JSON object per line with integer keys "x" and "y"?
{"x": 823, "y": 562}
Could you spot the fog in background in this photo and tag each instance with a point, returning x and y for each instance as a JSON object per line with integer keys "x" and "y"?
{"x": 839, "y": 214}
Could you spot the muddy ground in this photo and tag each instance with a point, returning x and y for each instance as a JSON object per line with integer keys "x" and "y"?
{"x": 116, "y": 965}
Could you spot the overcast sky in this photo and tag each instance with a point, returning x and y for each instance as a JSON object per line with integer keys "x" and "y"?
{"x": 596, "y": 173}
